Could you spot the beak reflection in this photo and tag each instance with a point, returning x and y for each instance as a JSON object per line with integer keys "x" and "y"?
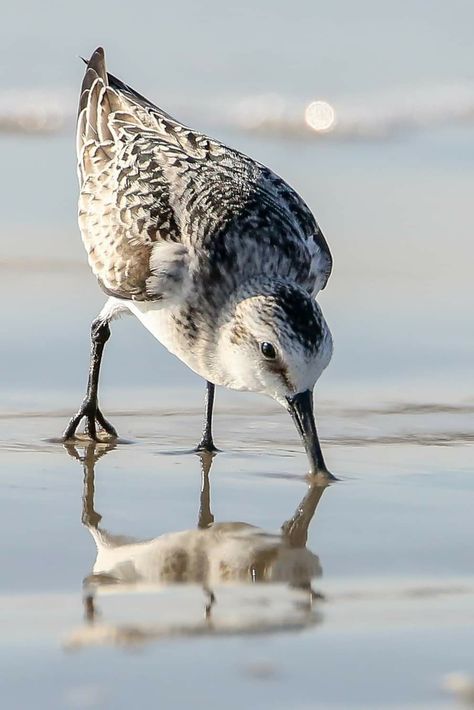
{"x": 300, "y": 407}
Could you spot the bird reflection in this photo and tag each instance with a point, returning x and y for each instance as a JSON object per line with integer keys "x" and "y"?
{"x": 214, "y": 556}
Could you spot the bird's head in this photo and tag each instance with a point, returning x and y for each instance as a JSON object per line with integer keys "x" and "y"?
{"x": 278, "y": 343}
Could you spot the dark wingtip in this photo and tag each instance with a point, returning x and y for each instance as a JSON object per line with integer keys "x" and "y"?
{"x": 96, "y": 61}
{"x": 98, "y": 53}
{"x": 95, "y": 68}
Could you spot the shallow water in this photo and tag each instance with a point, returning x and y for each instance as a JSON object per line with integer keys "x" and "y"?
{"x": 389, "y": 562}
{"x": 378, "y": 605}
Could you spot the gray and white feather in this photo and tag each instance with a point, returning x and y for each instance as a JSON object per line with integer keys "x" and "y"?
{"x": 210, "y": 249}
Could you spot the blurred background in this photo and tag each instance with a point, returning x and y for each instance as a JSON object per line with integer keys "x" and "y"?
{"x": 366, "y": 108}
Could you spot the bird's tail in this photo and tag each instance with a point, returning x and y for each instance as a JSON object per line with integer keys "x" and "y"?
{"x": 96, "y": 70}
{"x": 95, "y": 105}
{"x": 106, "y": 107}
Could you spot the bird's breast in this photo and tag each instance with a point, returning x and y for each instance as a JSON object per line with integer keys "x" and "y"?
{"x": 177, "y": 329}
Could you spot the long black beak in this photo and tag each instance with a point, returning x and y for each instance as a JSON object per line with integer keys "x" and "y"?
{"x": 300, "y": 407}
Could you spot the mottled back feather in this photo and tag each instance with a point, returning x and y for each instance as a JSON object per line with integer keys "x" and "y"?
{"x": 160, "y": 203}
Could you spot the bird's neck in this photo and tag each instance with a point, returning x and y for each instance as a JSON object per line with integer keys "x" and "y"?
{"x": 219, "y": 326}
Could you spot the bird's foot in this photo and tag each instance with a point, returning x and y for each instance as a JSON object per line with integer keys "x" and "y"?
{"x": 206, "y": 446}
{"x": 91, "y": 520}
{"x": 93, "y": 416}
{"x": 322, "y": 477}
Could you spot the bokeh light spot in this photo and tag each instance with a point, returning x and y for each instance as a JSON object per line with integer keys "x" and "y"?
{"x": 320, "y": 116}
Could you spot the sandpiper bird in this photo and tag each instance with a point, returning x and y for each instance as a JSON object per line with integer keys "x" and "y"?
{"x": 215, "y": 254}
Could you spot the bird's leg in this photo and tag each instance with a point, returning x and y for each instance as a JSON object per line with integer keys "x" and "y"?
{"x": 206, "y": 517}
{"x": 207, "y": 443}
{"x": 295, "y": 530}
{"x": 90, "y": 611}
{"x": 90, "y": 517}
{"x": 211, "y": 600}
{"x": 92, "y": 453}
{"x": 89, "y": 409}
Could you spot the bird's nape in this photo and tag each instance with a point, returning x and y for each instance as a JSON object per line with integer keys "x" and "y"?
{"x": 300, "y": 407}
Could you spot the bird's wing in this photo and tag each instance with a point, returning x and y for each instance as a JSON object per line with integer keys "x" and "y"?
{"x": 151, "y": 189}
{"x": 247, "y": 221}
{"x": 284, "y": 200}
{"x": 127, "y": 222}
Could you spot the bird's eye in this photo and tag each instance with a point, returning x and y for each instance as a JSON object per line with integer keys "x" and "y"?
{"x": 268, "y": 351}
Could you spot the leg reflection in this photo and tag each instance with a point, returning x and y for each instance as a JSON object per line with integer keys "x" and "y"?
{"x": 206, "y": 517}
{"x": 92, "y": 453}
{"x": 295, "y": 530}
{"x": 210, "y": 555}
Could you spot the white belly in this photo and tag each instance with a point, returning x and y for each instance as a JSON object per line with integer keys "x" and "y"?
{"x": 157, "y": 319}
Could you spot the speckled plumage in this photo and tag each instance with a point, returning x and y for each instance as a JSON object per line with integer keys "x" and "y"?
{"x": 146, "y": 180}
